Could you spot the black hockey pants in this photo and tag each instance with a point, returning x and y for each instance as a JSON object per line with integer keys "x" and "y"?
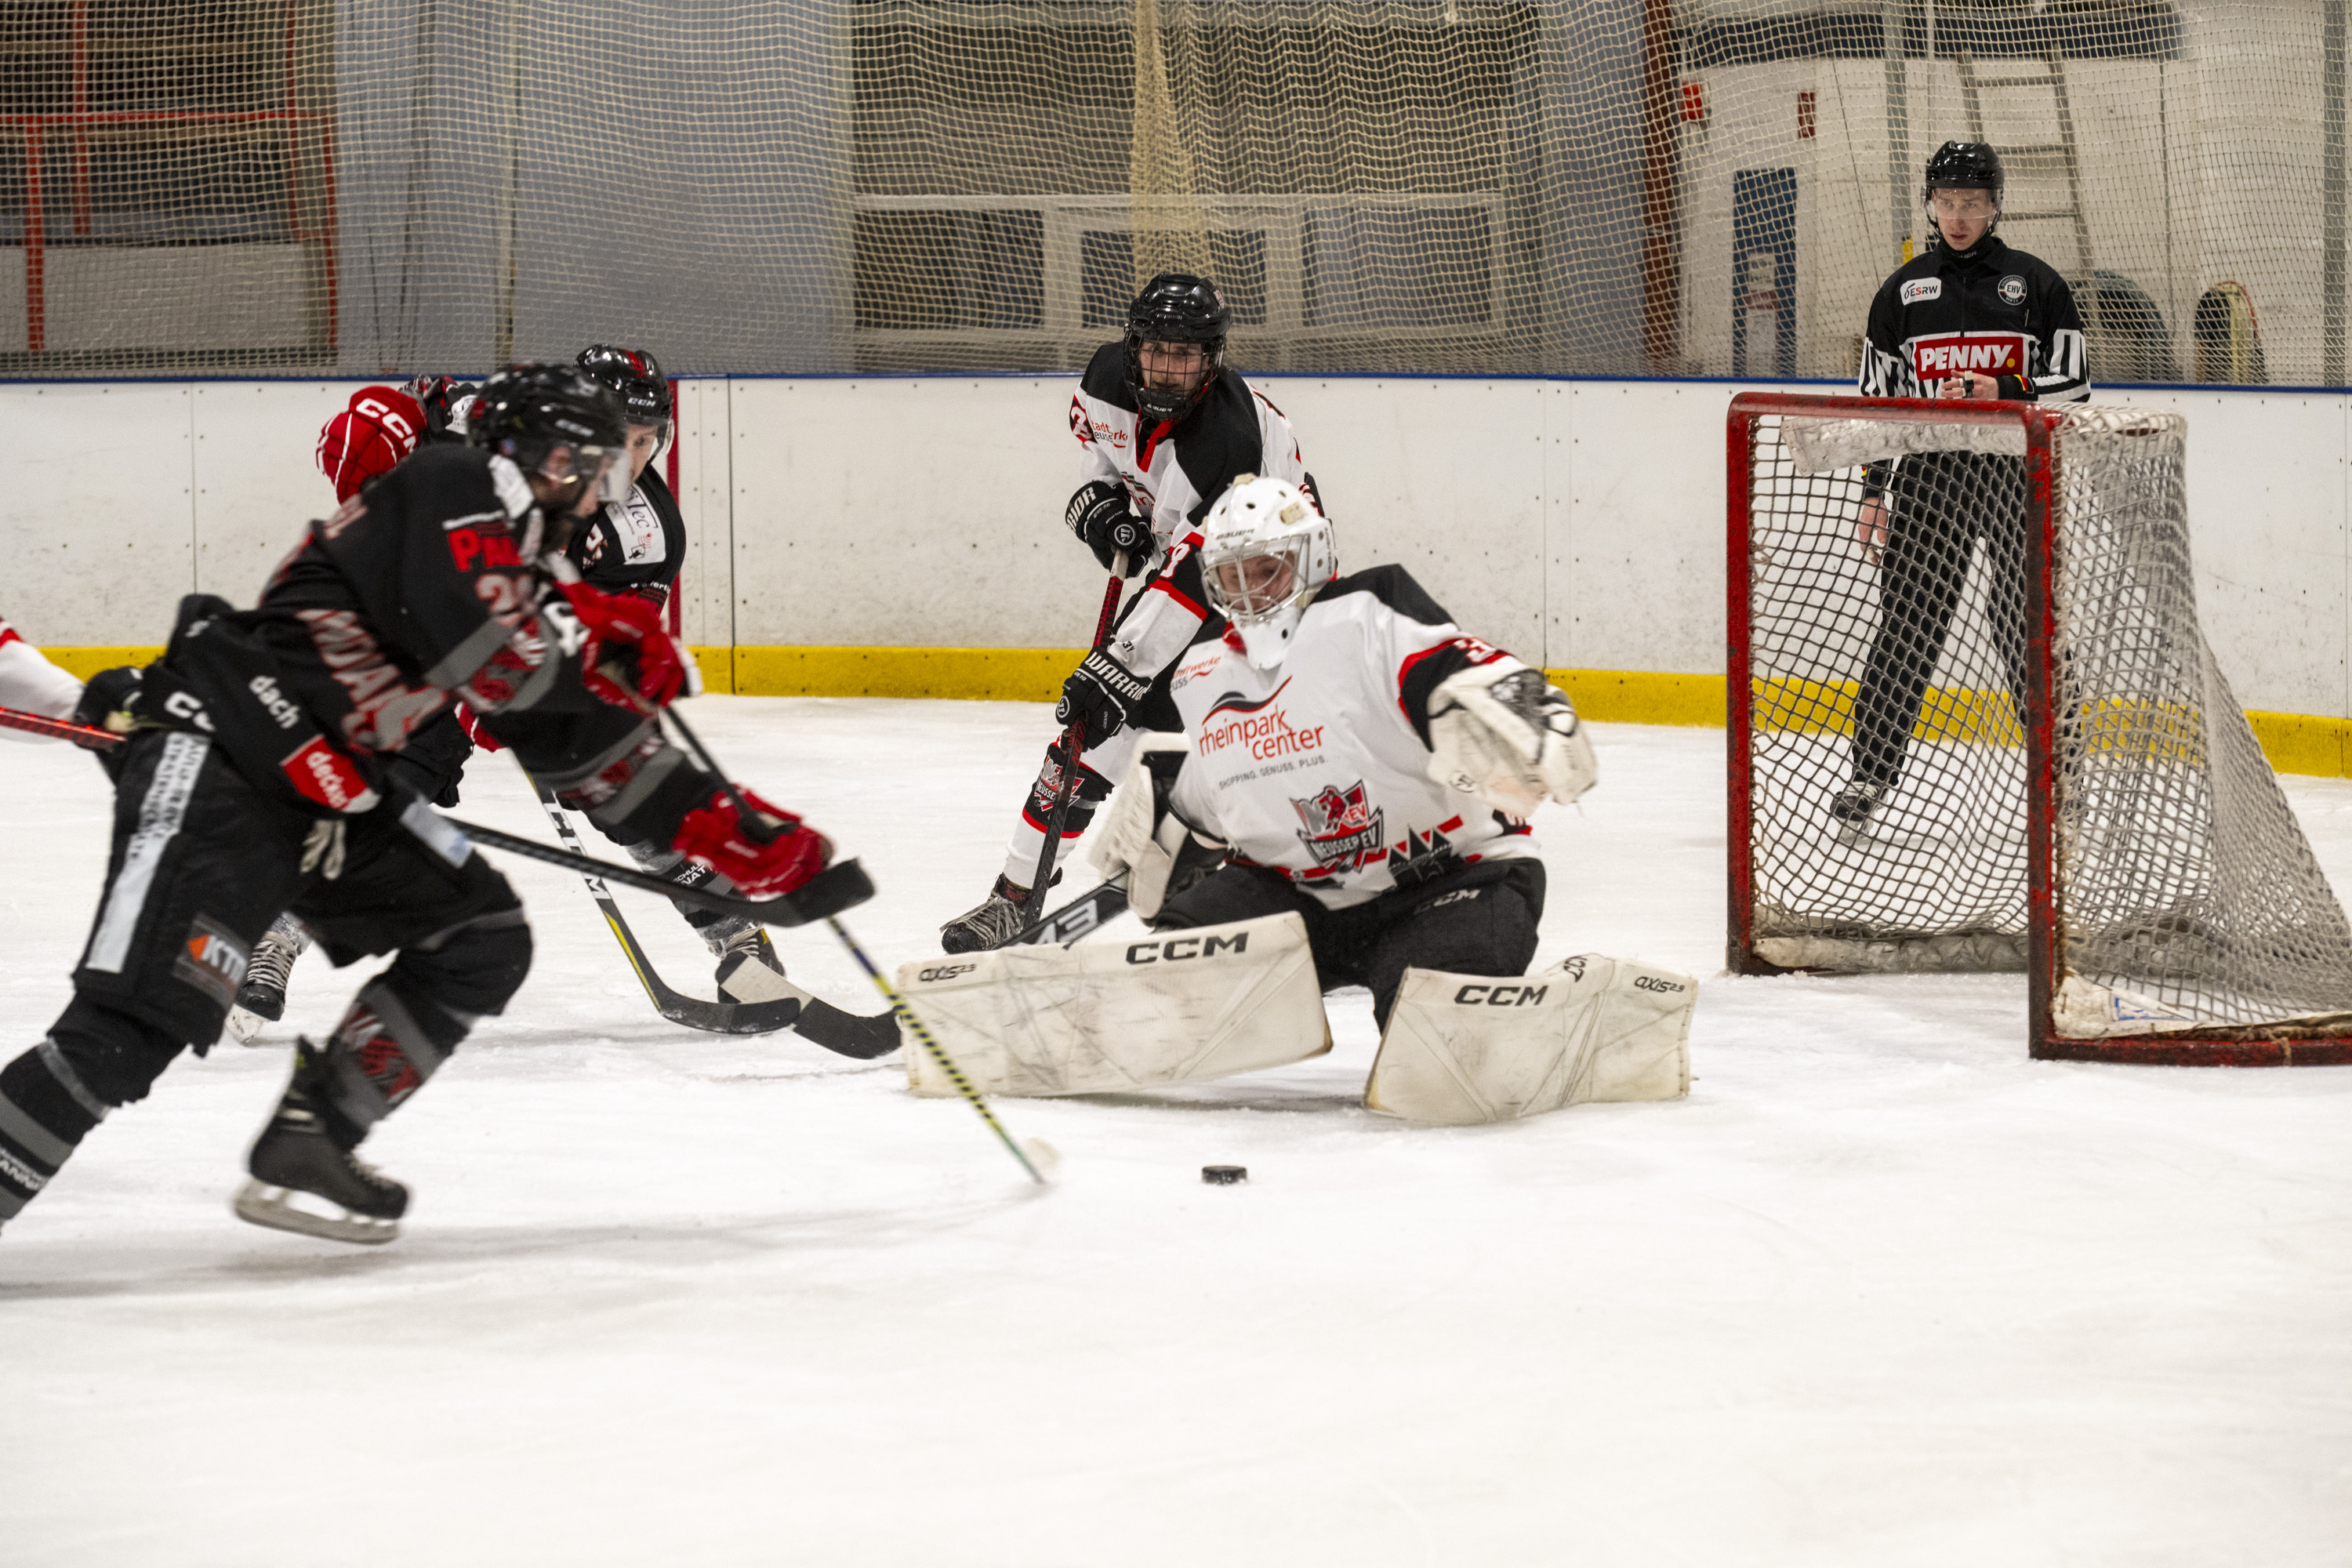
{"x": 1479, "y": 919}
{"x": 201, "y": 862}
{"x": 1938, "y": 505}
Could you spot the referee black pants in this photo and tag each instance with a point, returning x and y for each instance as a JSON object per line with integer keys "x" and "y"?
{"x": 1939, "y": 505}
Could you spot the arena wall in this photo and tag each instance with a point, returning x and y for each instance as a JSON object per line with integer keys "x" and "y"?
{"x": 901, "y": 537}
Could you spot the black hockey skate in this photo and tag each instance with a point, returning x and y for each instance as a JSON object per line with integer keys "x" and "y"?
{"x": 1855, "y": 804}
{"x": 297, "y": 1156}
{"x": 992, "y": 922}
{"x": 261, "y": 999}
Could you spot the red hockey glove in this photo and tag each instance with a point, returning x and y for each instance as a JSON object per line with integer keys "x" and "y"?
{"x": 712, "y": 835}
{"x": 471, "y": 723}
{"x": 625, "y": 618}
{"x": 368, "y": 438}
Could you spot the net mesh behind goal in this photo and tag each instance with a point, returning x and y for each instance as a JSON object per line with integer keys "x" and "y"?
{"x": 1976, "y": 727}
{"x": 809, "y": 186}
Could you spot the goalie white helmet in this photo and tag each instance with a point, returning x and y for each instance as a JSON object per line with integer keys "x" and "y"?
{"x": 1265, "y": 552}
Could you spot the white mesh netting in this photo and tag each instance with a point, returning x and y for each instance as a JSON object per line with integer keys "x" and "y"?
{"x": 1596, "y": 187}
{"x": 2186, "y": 895}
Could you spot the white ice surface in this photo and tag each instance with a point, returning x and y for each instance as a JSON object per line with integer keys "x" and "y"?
{"x": 1883, "y": 1291}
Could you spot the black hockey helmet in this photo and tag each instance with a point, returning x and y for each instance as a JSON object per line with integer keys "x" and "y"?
{"x": 635, "y": 377}
{"x": 1965, "y": 166}
{"x": 446, "y": 401}
{"x": 1175, "y": 308}
{"x": 555, "y": 421}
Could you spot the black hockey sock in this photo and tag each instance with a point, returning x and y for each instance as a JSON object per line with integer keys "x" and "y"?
{"x": 388, "y": 1044}
{"x": 45, "y": 1110}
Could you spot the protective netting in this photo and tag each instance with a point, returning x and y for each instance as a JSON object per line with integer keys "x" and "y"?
{"x": 1888, "y": 754}
{"x": 1564, "y": 186}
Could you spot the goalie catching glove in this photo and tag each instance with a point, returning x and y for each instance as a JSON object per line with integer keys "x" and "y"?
{"x": 616, "y": 622}
{"x": 765, "y": 859}
{"x": 1144, "y": 840}
{"x": 1105, "y": 523}
{"x": 1499, "y": 732}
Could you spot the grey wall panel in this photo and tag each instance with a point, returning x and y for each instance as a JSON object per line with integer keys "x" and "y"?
{"x": 1443, "y": 478}
{"x": 96, "y": 520}
{"x": 258, "y": 483}
{"x": 907, "y": 513}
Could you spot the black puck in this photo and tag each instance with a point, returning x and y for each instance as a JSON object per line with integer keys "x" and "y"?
{"x": 1224, "y": 1175}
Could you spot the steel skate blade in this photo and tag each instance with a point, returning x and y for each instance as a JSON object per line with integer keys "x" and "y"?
{"x": 273, "y": 1208}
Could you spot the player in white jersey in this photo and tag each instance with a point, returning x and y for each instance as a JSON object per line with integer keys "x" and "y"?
{"x": 1162, "y": 427}
{"x": 31, "y": 684}
{"x": 1354, "y": 756}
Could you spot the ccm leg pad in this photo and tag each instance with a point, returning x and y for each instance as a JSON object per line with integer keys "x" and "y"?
{"x": 1104, "y": 1017}
{"x": 1461, "y": 1049}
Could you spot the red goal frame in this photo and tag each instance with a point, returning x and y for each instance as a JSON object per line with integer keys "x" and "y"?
{"x": 2253, "y": 1045}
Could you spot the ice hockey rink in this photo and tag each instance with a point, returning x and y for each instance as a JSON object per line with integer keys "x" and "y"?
{"x": 1880, "y": 1291}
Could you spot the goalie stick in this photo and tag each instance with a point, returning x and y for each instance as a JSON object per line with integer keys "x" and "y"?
{"x": 849, "y": 1034}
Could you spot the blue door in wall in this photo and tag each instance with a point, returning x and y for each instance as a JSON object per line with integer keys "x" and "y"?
{"x": 1764, "y": 272}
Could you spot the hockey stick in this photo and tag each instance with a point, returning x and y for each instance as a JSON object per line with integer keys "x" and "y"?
{"x": 1072, "y": 741}
{"x": 1044, "y": 1157}
{"x": 849, "y": 1034}
{"x": 830, "y": 891}
{"x": 58, "y": 728}
{"x": 1036, "y": 1155}
{"x": 1089, "y": 911}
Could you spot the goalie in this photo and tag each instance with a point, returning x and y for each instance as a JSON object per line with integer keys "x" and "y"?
{"x": 1347, "y": 755}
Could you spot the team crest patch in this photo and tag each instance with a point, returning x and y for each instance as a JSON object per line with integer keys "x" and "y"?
{"x": 1920, "y": 289}
{"x": 1341, "y": 829}
{"x": 212, "y": 961}
{"x": 2012, "y": 289}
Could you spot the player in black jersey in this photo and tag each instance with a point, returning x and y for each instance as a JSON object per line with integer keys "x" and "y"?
{"x": 1163, "y": 427}
{"x": 1969, "y": 318}
{"x": 254, "y": 780}
{"x": 637, "y": 548}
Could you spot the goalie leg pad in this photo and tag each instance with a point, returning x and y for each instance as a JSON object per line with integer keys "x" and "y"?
{"x": 1462, "y": 1050}
{"x": 1104, "y": 1017}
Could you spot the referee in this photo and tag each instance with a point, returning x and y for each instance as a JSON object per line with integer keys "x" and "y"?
{"x": 1969, "y": 318}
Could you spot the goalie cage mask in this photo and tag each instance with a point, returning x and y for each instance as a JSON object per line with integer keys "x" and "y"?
{"x": 1265, "y": 552}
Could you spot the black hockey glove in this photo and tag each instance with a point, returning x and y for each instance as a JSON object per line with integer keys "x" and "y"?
{"x": 1100, "y": 695}
{"x": 1104, "y": 521}
{"x": 103, "y": 695}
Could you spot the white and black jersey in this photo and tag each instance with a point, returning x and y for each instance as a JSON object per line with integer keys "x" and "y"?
{"x": 1989, "y": 310}
{"x": 637, "y": 546}
{"x": 1318, "y": 770}
{"x": 1173, "y": 473}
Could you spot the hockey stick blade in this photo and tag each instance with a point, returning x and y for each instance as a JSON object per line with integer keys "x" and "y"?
{"x": 842, "y": 886}
{"x": 1082, "y": 915}
{"x": 846, "y": 1033}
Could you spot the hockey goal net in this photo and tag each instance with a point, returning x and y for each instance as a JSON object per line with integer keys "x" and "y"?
{"x": 1994, "y": 738}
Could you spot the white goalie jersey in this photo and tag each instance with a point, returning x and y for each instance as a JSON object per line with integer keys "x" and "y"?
{"x": 1318, "y": 768}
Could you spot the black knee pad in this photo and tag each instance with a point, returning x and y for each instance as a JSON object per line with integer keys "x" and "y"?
{"x": 470, "y": 970}
{"x": 113, "y": 1056}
